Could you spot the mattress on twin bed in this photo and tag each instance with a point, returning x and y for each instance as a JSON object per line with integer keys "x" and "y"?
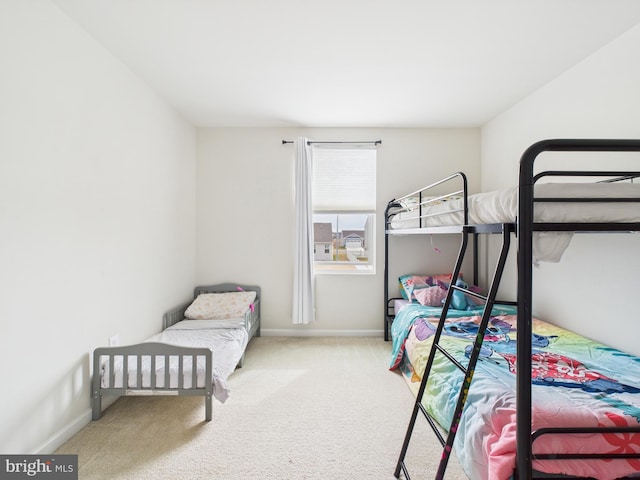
{"x": 501, "y": 206}
{"x": 227, "y": 339}
{"x": 575, "y": 382}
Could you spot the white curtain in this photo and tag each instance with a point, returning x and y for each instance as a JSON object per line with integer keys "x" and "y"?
{"x": 303, "y": 279}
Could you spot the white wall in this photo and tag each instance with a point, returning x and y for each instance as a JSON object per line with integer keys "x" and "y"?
{"x": 245, "y": 217}
{"x": 598, "y": 98}
{"x": 97, "y": 218}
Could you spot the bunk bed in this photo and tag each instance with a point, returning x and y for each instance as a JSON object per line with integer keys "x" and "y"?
{"x": 597, "y": 437}
{"x": 202, "y": 342}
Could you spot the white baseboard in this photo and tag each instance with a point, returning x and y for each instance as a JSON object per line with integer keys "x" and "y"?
{"x": 59, "y": 438}
{"x": 65, "y": 434}
{"x": 301, "y": 332}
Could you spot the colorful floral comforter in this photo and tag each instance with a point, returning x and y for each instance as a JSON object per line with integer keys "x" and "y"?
{"x": 575, "y": 382}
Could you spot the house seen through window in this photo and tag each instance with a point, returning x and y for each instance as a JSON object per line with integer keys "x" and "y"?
{"x": 344, "y": 193}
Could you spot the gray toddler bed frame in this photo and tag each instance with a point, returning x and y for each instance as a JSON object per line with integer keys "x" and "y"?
{"x": 154, "y": 351}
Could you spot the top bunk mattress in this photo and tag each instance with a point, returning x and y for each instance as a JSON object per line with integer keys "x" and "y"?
{"x": 501, "y": 206}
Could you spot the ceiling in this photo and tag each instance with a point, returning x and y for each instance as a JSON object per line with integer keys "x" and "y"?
{"x": 349, "y": 63}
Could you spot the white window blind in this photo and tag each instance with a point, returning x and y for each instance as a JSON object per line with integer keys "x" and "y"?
{"x": 344, "y": 178}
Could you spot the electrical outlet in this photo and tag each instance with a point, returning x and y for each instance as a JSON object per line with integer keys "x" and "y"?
{"x": 114, "y": 340}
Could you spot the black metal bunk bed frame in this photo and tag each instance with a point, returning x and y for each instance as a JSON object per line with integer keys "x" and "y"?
{"x": 523, "y": 228}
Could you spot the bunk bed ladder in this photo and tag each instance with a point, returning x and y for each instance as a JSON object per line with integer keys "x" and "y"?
{"x": 447, "y": 443}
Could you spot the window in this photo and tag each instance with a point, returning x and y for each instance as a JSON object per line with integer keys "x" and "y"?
{"x": 344, "y": 197}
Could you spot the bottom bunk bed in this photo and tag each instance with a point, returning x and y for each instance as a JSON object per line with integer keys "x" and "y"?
{"x": 202, "y": 343}
{"x": 576, "y": 383}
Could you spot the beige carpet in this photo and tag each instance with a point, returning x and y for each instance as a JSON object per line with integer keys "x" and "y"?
{"x": 300, "y": 408}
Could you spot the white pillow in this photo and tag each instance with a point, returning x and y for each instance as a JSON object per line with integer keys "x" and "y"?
{"x": 220, "y": 305}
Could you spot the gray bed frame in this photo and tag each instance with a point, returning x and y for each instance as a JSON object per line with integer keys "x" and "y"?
{"x": 154, "y": 350}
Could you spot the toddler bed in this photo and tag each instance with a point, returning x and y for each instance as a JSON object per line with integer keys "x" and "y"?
{"x": 575, "y": 382}
{"x": 202, "y": 343}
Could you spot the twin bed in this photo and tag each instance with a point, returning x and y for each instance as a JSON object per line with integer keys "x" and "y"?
{"x": 202, "y": 343}
{"x": 572, "y": 407}
{"x": 576, "y": 382}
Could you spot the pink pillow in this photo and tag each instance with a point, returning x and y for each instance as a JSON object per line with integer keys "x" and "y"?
{"x": 430, "y": 296}
{"x": 409, "y": 283}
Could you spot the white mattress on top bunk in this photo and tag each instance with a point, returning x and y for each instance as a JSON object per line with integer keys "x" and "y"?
{"x": 227, "y": 338}
{"x": 501, "y": 206}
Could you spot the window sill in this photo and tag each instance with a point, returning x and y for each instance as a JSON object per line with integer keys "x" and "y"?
{"x": 344, "y": 269}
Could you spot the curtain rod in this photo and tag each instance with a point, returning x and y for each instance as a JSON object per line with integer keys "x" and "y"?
{"x": 375, "y": 142}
